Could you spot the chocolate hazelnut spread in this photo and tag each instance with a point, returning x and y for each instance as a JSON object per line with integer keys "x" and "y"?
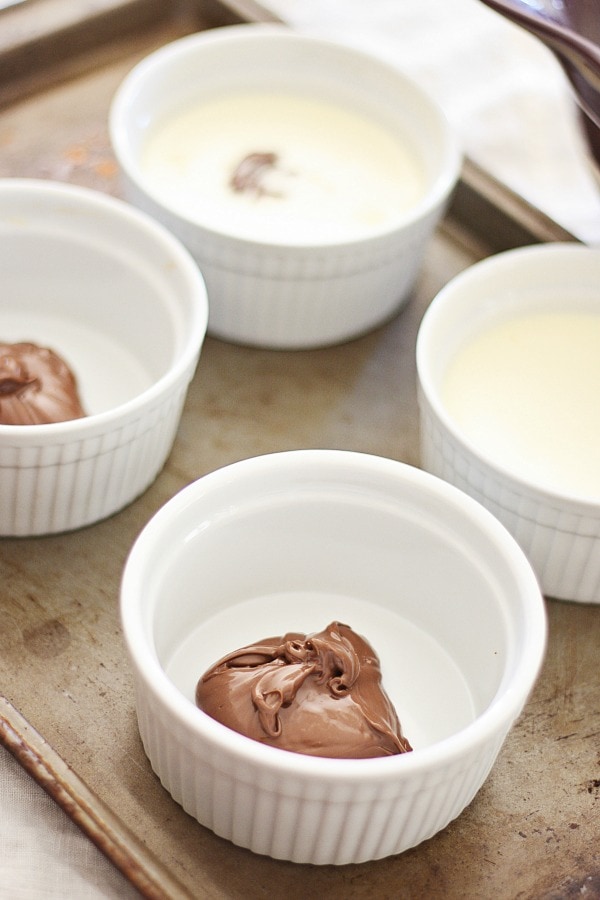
{"x": 250, "y": 173}
{"x": 318, "y": 694}
{"x": 36, "y": 386}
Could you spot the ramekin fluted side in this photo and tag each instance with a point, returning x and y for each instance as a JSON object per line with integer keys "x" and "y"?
{"x": 47, "y": 488}
{"x": 319, "y": 306}
{"x": 295, "y": 297}
{"x": 560, "y": 540}
{"x": 302, "y": 820}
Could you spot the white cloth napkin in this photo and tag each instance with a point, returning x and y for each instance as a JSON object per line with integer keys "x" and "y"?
{"x": 503, "y": 90}
{"x": 42, "y": 853}
{"x": 511, "y": 103}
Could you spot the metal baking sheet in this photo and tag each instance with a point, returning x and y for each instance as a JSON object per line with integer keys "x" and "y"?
{"x": 68, "y": 708}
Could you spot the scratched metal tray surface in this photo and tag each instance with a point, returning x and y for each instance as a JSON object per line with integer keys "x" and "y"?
{"x": 67, "y": 710}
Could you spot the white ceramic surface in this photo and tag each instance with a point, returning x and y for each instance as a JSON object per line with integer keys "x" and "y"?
{"x": 291, "y": 541}
{"x": 558, "y": 530}
{"x": 290, "y": 295}
{"x": 122, "y": 301}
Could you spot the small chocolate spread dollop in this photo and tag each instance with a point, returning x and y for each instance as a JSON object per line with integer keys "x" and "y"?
{"x": 36, "y": 386}
{"x": 318, "y": 694}
{"x": 249, "y": 175}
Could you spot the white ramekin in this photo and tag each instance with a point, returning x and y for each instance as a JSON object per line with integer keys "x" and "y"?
{"x": 284, "y": 295}
{"x": 123, "y": 302}
{"x": 292, "y": 541}
{"x": 559, "y": 532}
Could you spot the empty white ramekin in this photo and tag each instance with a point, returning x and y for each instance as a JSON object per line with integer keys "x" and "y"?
{"x": 123, "y": 303}
{"x": 288, "y": 293}
{"x": 559, "y": 530}
{"x": 290, "y": 542}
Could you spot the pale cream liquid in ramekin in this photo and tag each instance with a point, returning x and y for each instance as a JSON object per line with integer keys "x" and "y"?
{"x": 526, "y": 393}
{"x": 338, "y": 175}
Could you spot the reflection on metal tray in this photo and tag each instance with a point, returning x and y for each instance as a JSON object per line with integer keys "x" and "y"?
{"x": 69, "y": 718}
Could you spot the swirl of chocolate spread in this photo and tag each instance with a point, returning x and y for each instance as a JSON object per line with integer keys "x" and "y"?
{"x": 36, "y": 386}
{"x": 318, "y": 694}
{"x": 249, "y": 175}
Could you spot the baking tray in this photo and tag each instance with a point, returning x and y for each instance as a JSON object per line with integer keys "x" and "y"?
{"x": 68, "y": 715}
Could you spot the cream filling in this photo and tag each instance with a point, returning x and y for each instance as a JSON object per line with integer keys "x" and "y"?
{"x": 337, "y": 175}
{"x": 526, "y": 392}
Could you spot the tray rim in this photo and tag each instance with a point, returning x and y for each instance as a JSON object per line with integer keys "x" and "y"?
{"x": 83, "y": 806}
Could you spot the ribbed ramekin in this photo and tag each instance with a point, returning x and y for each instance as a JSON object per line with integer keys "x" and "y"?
{"x": 558, "y": 531}
{"x": 294, "y": 540}
{"x": 281, "y": 294}
{"x": 123, "y": 302}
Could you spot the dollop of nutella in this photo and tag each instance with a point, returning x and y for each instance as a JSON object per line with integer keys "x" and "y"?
{"x": 250, "y": 173}
{"x": 319, "y": 694}
{"x": 36, "y": 386}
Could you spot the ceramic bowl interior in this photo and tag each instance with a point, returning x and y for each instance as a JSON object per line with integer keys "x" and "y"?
{"x": 302, "y": 559}
{"x": 88, "y": 283}
{"x": 290, "y": 542}
{"x": 556, "y": 520}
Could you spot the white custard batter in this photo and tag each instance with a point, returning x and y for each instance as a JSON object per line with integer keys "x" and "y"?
{"x": 526, "y": 392}
{"x": 337, "y": 175}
